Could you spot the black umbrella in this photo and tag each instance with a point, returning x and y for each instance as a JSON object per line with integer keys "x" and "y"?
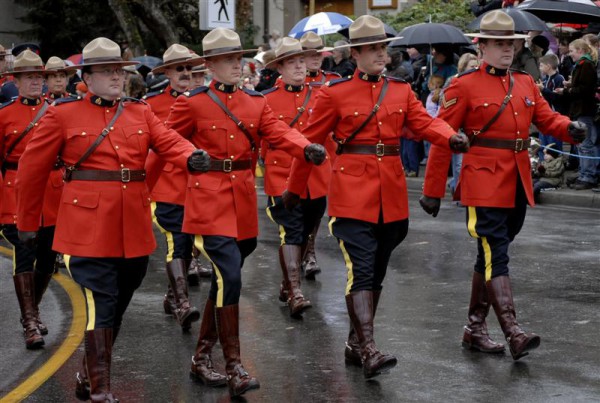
{"x": 524, "y": 21}
{"x": 577, "y": 11}
{"x": 430, "y": 33}
{"x": 389, "y": 31}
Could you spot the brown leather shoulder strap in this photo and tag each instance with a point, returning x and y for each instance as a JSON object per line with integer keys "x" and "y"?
{"x": 231, "y": 116}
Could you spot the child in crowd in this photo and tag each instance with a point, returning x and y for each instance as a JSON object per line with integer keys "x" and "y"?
{"x": 549, "y": 172}
{"x": 551, "y": 79}
{"x": 432, "y": 104}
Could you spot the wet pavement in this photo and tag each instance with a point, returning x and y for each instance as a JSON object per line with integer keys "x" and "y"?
{"x": 555, "y": 270}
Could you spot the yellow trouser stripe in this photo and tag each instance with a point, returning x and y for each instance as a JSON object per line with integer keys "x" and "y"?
{"x": 330, "y": 225}
{"x": 281, "y": 229}
{"x": 487, "y": 252}
{"x": 168, "y": 235}
{"x": 348, "y": 267}
{"x": 67, "y": 259}
{"x": 14, "y": 258}
{"x": 91, "y": 309}
{"x": 199, "y": 242}
{"x": 472, "y": 222}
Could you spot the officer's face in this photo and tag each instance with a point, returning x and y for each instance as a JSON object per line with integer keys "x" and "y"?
{"x": 313, "y": 61}
{"x": 57, "y": 83}
{"x": 226, "y": 69}
{"x": 29, "y": 84}
{"x": 106, "y": 81}
{"x": 370, "y": 58}
{"x": 498, "y": 53}
{"x": 179, "y": 77}
{"x": 197, "y": 80}
{"x": 292, "y": 70}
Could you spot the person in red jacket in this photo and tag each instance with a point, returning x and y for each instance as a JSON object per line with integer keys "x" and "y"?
{"x": 57, "y": 78}
{"x": 104, "y": 224}
{"x": 168, "y": 194}
{"x": 33, "y": 267}
{"x": 220, "y": 205}
{"x": 368, "y": 201}
{"x": 495, "y": 181}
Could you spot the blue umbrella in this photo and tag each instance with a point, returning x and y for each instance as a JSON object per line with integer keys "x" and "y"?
{"x": 320, "y": 23}
{"x": 148, "y": 61}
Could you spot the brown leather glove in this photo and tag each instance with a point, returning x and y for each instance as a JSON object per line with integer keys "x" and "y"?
{"x": 459, "y": 143}
{"x": 431, "y": 205}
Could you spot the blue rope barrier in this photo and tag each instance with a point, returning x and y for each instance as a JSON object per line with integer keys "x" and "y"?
{"x": 571, "y": 155}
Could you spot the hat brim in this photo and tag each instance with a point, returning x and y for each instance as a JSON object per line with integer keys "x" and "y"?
{"x": 484, "y": 36}
{"x": 353, "y": 45}
{"x": 13, "y": 72}
{"x": 53, "y": 71}
{"x": 194, "y": 61}
{"x": 299, "y": 53}
{"x": 230, "y": 53}
{"x": 199, "y": 71}
{"x": 123, "y": 63}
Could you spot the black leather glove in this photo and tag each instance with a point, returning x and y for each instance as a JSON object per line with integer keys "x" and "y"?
{"x": 290, "y": 200}
{"x": 315, "y": 153}
{"x": 459, "y": 143}
{"x": 198, "y": 161}
{"x": 541, "y": 169}
{"x": 431, "y": 205}
{"x": 577, "y": 131}
{"x": 29, "y": 238}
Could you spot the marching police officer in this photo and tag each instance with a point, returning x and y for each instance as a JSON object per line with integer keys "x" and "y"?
{"x": 368, "y": 202}
{"x": 57, "y": 78}
{"x": 104, "y": 224}
{"x": 495, "y": 180}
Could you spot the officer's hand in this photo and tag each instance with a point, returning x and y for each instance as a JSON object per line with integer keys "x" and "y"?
{"x": 198, "y": 161}
{"x": 315, "y": 153}
{"x": 431, "y": 205}
{"x": 578, "y": 131}
{"x": 459, "y": 142}
{"x": 290, "y": 200}
{"x": 29, "y": 238}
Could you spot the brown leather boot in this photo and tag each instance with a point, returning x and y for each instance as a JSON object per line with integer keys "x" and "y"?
{"x": 184, "y": 313}
{"x": 519, "y": 342}
{"x": 283, "y": 290}
{"x": 476, "y": 336}
{"x": 238, "y": 380}
{"x": 352, "y": 350}
{"x": 309, "y": 263}
{"x": 25, "y": 288}
{"x": 82, "y": 386}
{"x": 98, "y": 354}
{"x": 202, "y": 366}
{"x": 169, "y": 304}
{"x": 360, "y": 309}
{"x": 41, "y": 281}
{"x": 193, "y": 277}
{"x": 200, "y": 270}
{"x": 289, "y": 258}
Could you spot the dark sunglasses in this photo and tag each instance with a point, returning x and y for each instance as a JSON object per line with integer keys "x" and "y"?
{"x": 179, "y": 69}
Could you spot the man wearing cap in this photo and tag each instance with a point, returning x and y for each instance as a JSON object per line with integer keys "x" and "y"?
{"x": 57, "y": 78}
{"x": 291, "y": 99}
{"x": 7, "y": 88}
{"x": 220, "y": 206}
{"x": 368, "y": 202}
{"x": 495, "y": 180}
{"x": 169, "y": 192}
{"x": 104, "y": 224}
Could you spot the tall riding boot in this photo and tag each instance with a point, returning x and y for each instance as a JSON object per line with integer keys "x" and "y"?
{"x": 309, "y": 263}
{"x": 82, "y": 386}
{"x": 201, "y": 270}
{"x": 193, "y": 277}
{"x": 41, "y": 281}
{"x": 169, "y": 304}
{"x": 476, "y": 336}
{"x": 185, "y": 314}
{"x": 352, "y": 350}
{"x": 519, "y": 342}
{"x": 25, "y": 288}
{"x": 289, "y": 258}
{"x": 360, "y": 309}
{"x": 228, "y": 323}
{"x": 98, "y": 353}
{"x": 202, "y": 366}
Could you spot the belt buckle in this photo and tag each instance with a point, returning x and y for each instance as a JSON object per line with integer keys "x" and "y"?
{"x": 379, "y": 149}
{"x": 227, "y": 165}
{"x": 125, "y": 175}
{"x": 519, "y": 145}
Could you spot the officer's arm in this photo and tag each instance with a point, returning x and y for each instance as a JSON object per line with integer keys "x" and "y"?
{"x": 181, "y": 118}
{"x": 419, "y": 121}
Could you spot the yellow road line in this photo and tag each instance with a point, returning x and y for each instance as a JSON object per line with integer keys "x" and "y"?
{"x": 66, "y": 349}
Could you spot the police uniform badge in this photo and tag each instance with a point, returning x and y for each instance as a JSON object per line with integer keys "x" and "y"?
{"x": 447, "y": 103}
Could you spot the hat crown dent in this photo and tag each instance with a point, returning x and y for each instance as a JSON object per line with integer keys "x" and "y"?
{"x": 27, "y": 58}
{"x": 221, "y": 38}
{"x": 311, "y": 40}
{"x": 176, "y": 52}
{"x": 55, "y": 63}
{"x": 288, "y": 45}
{"x": 101, "y": 48}
{"x": 366, "y": 26}
{"x": 497, "y": 20}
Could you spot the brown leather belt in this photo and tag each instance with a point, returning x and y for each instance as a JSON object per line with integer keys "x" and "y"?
{"x": 380, "y": 150}
{"x": 13, "y": 166}
{"x": 515, "y": 145}
{"x": 229, "y": 165}
{"x": 124, "y": 175}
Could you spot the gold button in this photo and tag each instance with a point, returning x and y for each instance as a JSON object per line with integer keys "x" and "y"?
{"x": 400, "y": 110}
{"x": 518, "y": 132}
{"x": 378, "y": 159}
{"x": 14, "y": 131}
{"x": 124, "y": 186}
{"x": 231, "y": 136}
{"x": 511, "y": 96}
{"x": 251, "y": 124}
{"x": 232, "y": 157}
{"x": 35, "y": 124}
{"x": 213, "y": 127}
{"x": 149, "y": 199}
{"x": 374, "y": 86}
{"x": 116, "y": 147}
{"x": 355, "y": 113}
{"x": 380, "y": 123}
{"x": 342, "y": 168}
{"x": 33, "y": 109}
{"x": 280, "y": 116}
{"x": 9, "y": 182}
{"x": 122, "y": 166}
{"x": 83, "y": 133}
{"x": 232, "y": 176}
{"x": 486, "y": 104}
{"x": 274, "y": 162}
{"x": 532, "y": 102}
{"x": 229, "y": 96}
{"x": 75, "y": 201}
{"x": 300, "y": 123}
{"x": 297, "y": 95}
{"x": 503, "y": 80}
{"x": 516, "y": 113}
{"x": 112, "y": 128}
{"x": 108, "y": 110}
{"x": 196, "y": 184}
{"x": 140, "y": 131}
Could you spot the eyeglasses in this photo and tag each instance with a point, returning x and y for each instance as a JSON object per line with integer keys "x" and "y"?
{"x": 187, "y": 67}
{"x": 109, "y": 72}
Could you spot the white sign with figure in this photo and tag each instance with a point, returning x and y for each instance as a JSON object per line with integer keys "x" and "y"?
{"x": 217, "y": 13}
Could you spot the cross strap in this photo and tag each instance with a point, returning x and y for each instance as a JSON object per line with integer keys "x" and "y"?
{"x": 302, "y": 108}
{"x": 30, "y": 126}
{"x": 231, "y": 116}
{"x": 497, "y": 115}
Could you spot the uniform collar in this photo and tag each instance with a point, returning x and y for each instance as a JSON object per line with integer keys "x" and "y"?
{"x": 30, "y": 101}
{"x": 313, "y": 74}
{"x": 373, "y": 78}
{"x": 293, "y": 88}
{"x": 55, "y": 96}
{"x": 495, "y": 71}
{"x": 226, "y": 88}
{"x": 172, "y": 92}
{"x": 96, "y": 100}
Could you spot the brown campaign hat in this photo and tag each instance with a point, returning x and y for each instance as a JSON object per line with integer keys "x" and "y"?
{"x": 367, "y": 30}
{"x": 222, "y": 41}
{"x": 56, "y": 65}
{"x": 176, "y": 55}
{"x": 27, "y": 62}
{"x": 102, "y": 51}
{"x": 289, "y": 47}
{"x": 496, "y": 24}
{"x": 310, "y": 40}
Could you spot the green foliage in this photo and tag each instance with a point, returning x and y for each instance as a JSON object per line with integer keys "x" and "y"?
{"x": 453, "y": 12}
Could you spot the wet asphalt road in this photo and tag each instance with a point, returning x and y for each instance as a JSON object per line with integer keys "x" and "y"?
{"x": 555, "y": 270}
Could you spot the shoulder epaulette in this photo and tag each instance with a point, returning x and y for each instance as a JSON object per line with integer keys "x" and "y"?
{"x": 464, "y": 73}
{"x": 153, "y": 94}
{"x": 196, "y": 91}
{"x": 66, "y": 100}
{"x": 136, "y": 100}
{"x": 519, "y": 71}
{"x": 252, "y": 93}
{"x": 269, "y": 90}
{"x": 395, "y": 79}
{"x": 12, "y": 101}
{"x": 339, "y": 80}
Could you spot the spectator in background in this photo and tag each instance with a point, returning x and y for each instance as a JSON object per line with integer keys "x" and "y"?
{"x": 267, "y": 76}
{"x": 249, "y": 77}
{"x": 565, "y": 65}
{"x": 398, "y": 65}
{"x": 549, "y": 173}
{"x": 442, "y": 65}
{"x": 524, "y": 60}
{"x": 539, "y": 46}
{"x": 594, "y": 42}
{"x": 126, "y": 53}
{"x": 135, "y": 86}
{"x": 551, "y": 79}
{"x": 341, "y": 60}
{"x": 275, "y": 39}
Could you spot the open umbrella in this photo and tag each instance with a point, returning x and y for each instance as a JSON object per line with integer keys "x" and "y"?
{"x": 389, "y": 31}
{"x": 577, "y": 11}
{"x": 76, "y": 59}
{"x": 148, "y": 61}
{"x": 430, "y": 33}
{"x": 320, "y": 23}
{"x": 524, "y": 21}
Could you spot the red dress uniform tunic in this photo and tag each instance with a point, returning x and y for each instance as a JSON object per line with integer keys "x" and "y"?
{"x": 14, "y": 118}
{"x": 171, "y": 185}
{"x": 285, "y": 100}
{"x": 97, "y": 218}
{"x": 224, "y": 203}
{"x": 363, "y": 184}
{"x": 488, "y": 177}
